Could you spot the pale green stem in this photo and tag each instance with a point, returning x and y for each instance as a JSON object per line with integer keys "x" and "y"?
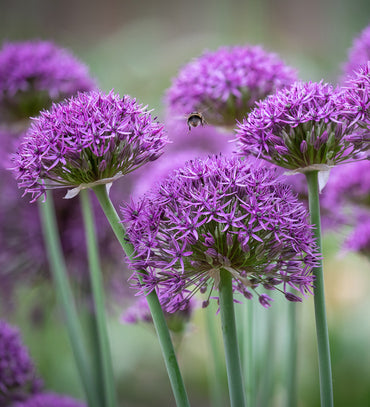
{"x": 105, "y": 358}
{"x": 233, "y": 365}
{"x": 292, "y": 373}
{"x": 66, "y": 299}
{"x": 326, "y": 384}
{"x": 159, "y": 320}
{"x": 249, "y": 360}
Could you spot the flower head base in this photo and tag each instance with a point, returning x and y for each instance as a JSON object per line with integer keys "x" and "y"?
{"x": 33, "y": 74}
{"x": 300, "y": 128}
{"x": 220, "y": 213}
{"x": 225, "y": 84}
{"x": 359, "y": 53}
{"x": 50, "y": 400}
{"x": 17, "y": 374}
{"x": 90, "y": 138}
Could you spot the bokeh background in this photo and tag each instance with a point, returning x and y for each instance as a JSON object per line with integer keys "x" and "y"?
{"x": 136, "y": 47}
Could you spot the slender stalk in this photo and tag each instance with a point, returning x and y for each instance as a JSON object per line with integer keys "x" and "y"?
{"x": 233, "y": 366}
{"x": 159, "y": 320}
{"x": 249, "y": 360}
{"x": 326, "y": 385}
{"x": 104, "y": 356}
{"x": 65, "y": 298}
{"x": 216, "y": 370}
{"x": 292, "y": 374}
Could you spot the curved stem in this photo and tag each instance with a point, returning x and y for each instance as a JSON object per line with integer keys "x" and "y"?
{"x": 104, "y": 356}
{"x": 326, "y": 385}
{"x": 65, "y": 297}
{"x": 159, "y": 320}
{"x": 233, "y": 366}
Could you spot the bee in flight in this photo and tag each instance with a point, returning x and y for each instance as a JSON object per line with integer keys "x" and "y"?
{"x": 195, "y": 119}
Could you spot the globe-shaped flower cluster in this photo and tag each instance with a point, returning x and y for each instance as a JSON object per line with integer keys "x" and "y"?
{"x": 89, "y": 138}
{"x": 220, "y": 213}
{"x": 18, "y": 378}
{"x": 225, "y": 84}
{"x": 359, "y": 53}
{"x": 301, "y": 127}
{"x": 35, "y": 73}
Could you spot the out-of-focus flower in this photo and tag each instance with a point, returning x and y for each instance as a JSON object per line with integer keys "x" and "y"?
{"x": 224, "y": 84}
{"x": 88, "y": 139}
{"x": 18, "y": 379}
{"x": 359, "y": 53}
{"x": 33, "y": 74}
{"x": 220, "y": 213}
{"x": 359, "y": 239}
{"x": 301, "y": 128}
{"x": 50, "y": 400}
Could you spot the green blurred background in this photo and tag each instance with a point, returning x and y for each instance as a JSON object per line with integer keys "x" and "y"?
{"x": 136, "y": 47}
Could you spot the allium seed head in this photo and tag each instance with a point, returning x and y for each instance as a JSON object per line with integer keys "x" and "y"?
{"x": 220, "y": 213}
{"x": 225, "y": 84}
{"x": 301, "y": 127}
{"x": 90, "y": 138}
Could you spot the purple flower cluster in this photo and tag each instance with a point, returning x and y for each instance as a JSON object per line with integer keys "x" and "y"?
{"x": 301, "y": 126}
{"x": 35, "y": 73}
{"x": 226, "y": 83}
{"x": 220, "y": 213}
{"x": 17, "y": 373}
{"x": 88, "y": 138}
{"x": 50, "y": 400}
{"x": 359, "y": 53}
{"x": 359, "y": 239}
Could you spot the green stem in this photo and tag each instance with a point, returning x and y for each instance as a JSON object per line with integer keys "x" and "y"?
{"x": 292, "y": 373}
{"x": 65, "y": 297}
{"x": 159, "y": 320}
{"x": 233, "y": 366}
{"x": 249, "y": 361}
{"x": 104, "y": 356}
{"x": 326, "y": 385}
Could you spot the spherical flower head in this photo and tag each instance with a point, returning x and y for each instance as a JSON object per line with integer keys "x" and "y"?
{"x": 88, "y": 139}
{"x": 17, "y": 373}
{"x": 359, "y": 53}
{"x": 225, "y": 84}
{"x": 33, "y": 74}
{"x": 50, "y": 400}
{"x": 220, "y": 213}
{"x": 300, "y": 128}
{"x": 359, "y": 239}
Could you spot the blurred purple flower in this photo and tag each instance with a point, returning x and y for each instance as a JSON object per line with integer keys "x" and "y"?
{"x": 225, "y": 84}
{"x": 18, "y": 379}
{"x": 301, "y": 127}
{"x": 359, "y": 53}
{"x": 220, "y": 213}
{"x": 50, "y": 400}
{"x": 88, "y": 138}
{"x": 359, "y": 239}
{"x": 33, "y": 74}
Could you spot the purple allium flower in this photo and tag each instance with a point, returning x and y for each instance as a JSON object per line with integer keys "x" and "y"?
{"x": 359, "y": 53}
{"x": 301, "y": 126}
{"x": 359, "y": 239}
{"x": 91, "y": 138}
{"x": 17, "y": 373}
{"x": 225, "y": 84}
{"x": 220, "y": 213}
{"x": 33, "y": 74}
{"x": 50, "y": 400}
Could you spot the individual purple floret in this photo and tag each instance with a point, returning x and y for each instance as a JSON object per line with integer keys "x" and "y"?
{"x": 359, "y": 53}
{"x": 18, "y": 379}
{"x": 88, "y": 139}
{"x": 220, "y": 213}
{"x": 33, "y": 74}
{"x": 225, "y": 84}
{"x": 50, "y": 400}
{"x": 301, "y": 128}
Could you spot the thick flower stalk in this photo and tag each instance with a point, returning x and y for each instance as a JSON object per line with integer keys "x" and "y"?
{"x": 89, "y": 139}
{"x": 302, "y": 128}
{"x": 225, "y": 84}
{"x": 359, "y": 53}
{"x": 33, "y": 74}
{"x": 50, "y": 400}
{"x": 220, "y": 214}
{"x": 18, "y": 378}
